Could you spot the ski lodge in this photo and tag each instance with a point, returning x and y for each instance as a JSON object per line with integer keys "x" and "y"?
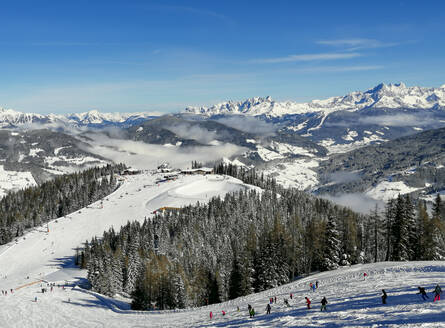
{"x": 202, "y": 171}
{"x": 166, "y": 209}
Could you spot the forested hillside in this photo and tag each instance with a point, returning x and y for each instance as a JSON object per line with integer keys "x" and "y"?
{"x": 249, "y": 242}
{"x": 418, "y": 160}
{"x": 55, "y": 198}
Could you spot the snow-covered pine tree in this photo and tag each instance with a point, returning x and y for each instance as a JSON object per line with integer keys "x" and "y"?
{"x": 179, "y": 293}
{"x": 400, "y": 231}
{"x": 331, "y": 249}
{"x": 438, "y": 208}
{"x": 410, "y": 219}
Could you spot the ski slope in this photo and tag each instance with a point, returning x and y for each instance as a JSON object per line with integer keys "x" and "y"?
{"x": 353, "y": 302}
{"x": 39, "y": 253}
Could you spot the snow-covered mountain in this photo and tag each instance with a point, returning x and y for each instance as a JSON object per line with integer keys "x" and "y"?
{"x": 382, "y": 96}
{"x": 11, "y": 119}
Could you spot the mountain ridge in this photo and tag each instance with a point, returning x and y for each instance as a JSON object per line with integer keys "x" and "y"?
{"x": 10, "y": 118}
{"x": 383, "y": 95}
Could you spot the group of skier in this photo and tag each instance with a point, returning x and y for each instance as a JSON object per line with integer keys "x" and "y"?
{"x": 323, "y": 302}
{"x": 437, "y": 291}
{"x": 5, "y": 292}
{"x": 313, "y": 286}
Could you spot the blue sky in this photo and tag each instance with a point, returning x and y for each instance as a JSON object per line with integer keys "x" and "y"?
{"x": 72, "y": 56}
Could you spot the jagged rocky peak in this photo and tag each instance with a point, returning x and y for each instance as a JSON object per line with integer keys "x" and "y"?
{"x": 234, "y": 107}
{"x": 396, "y": 95}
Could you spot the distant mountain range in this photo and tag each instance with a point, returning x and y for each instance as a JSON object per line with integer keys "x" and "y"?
{"x": 12, "y": 119}
{"x": 381, "y": 96}
{"x": 302, "y": 145}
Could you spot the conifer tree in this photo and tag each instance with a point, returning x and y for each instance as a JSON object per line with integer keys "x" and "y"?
{"x": 331, "y": 250}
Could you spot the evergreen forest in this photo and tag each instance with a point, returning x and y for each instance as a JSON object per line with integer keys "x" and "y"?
{"x": 251, "y": 241}
{"x": 34, "y": 206}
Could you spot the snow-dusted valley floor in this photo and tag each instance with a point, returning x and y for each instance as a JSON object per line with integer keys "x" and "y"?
{"x": 352, "y": 301}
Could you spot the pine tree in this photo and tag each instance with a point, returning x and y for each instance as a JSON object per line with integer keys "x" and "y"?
{"x": 141, "y": 295}
{"x": 377, "y": 232}
{"x": 179, "y": 293}
{"x": 438, "y": 207}
{"x": 331, "y": 250}
{"x": 410, "y": 221}
{"x": 213, "y": 288}
{"x": 390, "y": 214}
{"x": 235, "y": 284}
{"x": 400, "y": 231}
{"x": 424, "y": 239}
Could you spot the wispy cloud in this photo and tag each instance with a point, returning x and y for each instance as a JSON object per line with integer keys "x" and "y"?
{"x": 357, "y": 202}
{"x": 399, "y": 120}
{"x": 358, "y": 43}
{"x": 306, "y": 58}
{"x": 146, "y": 156}
{"x": 334, "y": 69}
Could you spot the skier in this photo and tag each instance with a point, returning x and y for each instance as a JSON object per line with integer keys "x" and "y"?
{"x": 324, "y": 301}
{"x": 35, "y": 299}
{"x": 316, "y": 284}
{"x": 252, "y": 312}
{"x": 384, "y": 297}
{"x": 211, "y": 315}
{"x": 364, "y": 275}
{"x": 291, "y": 295}
{"x": 422, "y": 293}
{"x": 275, "y": 299}
{"x": 286, "y": 302}
{"x": 223, "y": 312}
{"x": 268, "y": 309}
{"x": 437, "y": 292}
{"x": 308, "y": 302}
{"x": 310, "y": 286}
{"x": 313, "y": 288}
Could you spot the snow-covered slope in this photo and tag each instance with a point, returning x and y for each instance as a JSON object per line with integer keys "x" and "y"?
{"x": 381, "y": 96}
{"x": 353, "y": 302}
{"x": 39, "y": 253}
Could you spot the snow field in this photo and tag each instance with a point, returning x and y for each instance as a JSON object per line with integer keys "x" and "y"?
{"x": 14, "y": 180}
{"x": 387, "y": 190}
{"x": 297, "y": 173}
